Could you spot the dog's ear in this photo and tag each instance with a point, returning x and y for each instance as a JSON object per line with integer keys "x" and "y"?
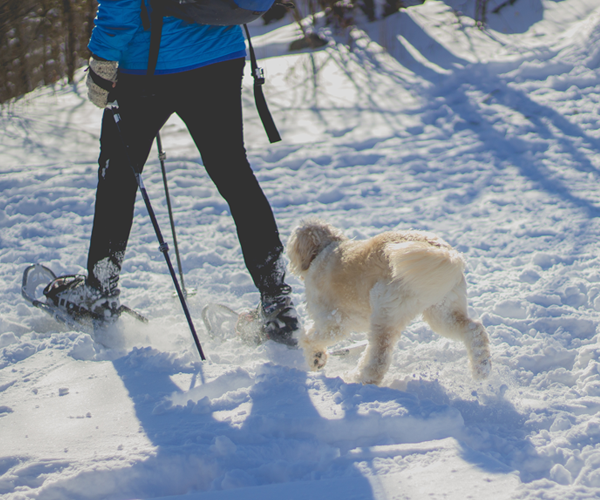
{"x": 301, "y": 250}
{"x": 307, "y": 241}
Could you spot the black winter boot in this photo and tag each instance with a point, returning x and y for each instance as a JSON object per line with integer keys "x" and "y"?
{"x": 279, "y": 316}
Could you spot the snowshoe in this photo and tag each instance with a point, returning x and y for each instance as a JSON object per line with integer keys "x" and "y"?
{"x": 222, "y": 322}
{"x": 68, "y": 300}
{"x": 352, "y": 349}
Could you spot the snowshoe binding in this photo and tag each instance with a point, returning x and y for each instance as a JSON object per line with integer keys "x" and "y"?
{"x": 73, "y": 296}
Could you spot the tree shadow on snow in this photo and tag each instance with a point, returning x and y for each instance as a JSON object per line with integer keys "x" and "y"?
{"x": 504, "y": 16}
{"x": 515, "y": 148}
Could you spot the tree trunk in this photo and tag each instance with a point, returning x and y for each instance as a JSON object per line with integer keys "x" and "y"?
{"x": 91, "y": 15}
{"x": 70, "y": 49}
{"x": 20, "y": 57}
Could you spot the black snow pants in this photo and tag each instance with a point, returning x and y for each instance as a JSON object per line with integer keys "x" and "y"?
{"x": 208, "y": 100}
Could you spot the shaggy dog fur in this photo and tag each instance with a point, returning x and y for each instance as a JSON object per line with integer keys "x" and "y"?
{"x": 380, "y": 285}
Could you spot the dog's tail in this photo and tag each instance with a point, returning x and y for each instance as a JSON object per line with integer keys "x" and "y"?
{"x": 428, "y": 270}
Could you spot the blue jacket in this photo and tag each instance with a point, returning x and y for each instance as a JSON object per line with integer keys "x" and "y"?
{"x": 119, "y": 36}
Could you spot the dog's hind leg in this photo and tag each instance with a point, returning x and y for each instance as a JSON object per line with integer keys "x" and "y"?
{"x": 377, "y": 358}
{"x": 450, "y": 318}
{"x": 389, "y": 318}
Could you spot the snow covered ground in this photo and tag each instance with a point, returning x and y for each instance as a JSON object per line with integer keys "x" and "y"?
{"x": 488, "y": 137}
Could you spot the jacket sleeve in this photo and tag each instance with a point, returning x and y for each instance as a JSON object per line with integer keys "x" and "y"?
{"x": 116, "y": 23}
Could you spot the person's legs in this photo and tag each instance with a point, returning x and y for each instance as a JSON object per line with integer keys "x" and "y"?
{"x": 211, "y": 108}
{"x": 143, "y": 113}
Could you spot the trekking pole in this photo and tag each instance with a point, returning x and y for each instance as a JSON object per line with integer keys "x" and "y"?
{"x": 163, "y": 247}
{"x": 162, "y": 156}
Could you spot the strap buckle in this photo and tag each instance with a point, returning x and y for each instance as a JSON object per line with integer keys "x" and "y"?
{"x": 259, "y": 76}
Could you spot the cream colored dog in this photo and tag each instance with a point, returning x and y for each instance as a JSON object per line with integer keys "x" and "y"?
{"x": 380, "y": 285}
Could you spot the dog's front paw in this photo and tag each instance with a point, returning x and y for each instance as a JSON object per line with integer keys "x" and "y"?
{"x": 316, "y": 355}
{"x": 319, "y": 360}
{"x": 316, "y": 359}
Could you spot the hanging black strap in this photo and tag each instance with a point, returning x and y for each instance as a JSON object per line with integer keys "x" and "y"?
{"x": 259, "y": 97}
{"x": 156, "y": 24}
{"x": 103, "y": 83}
{"x": 145, "y": 17}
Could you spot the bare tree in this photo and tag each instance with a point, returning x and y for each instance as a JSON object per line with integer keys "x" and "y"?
{"x": 481, "y": 12}
{"x": 42, "y": 41}
{"x": 70, "y": 46}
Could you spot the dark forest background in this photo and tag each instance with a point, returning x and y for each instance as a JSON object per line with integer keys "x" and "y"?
{"x": 42, "y": 41}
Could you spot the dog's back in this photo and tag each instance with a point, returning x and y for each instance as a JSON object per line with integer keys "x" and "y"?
{"x": 417, "y": 260}
{"x": 429, "y": 267}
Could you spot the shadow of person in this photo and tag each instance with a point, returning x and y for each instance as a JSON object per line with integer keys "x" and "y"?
{"x": 265, "y": 429}
{"x": 218, "y": 429}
